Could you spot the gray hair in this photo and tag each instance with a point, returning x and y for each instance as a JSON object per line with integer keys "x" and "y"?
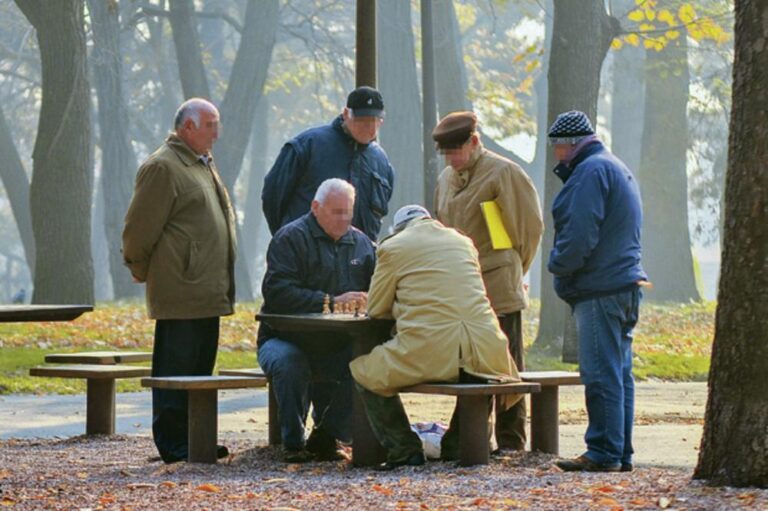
{"x": 191, "y": 109}
{"x": 334, "y": 186}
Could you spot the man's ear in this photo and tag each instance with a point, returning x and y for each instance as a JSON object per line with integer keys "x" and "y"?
{"x": 314, "y": 207}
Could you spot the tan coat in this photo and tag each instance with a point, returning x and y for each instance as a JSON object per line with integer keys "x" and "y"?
{"x": 486, "y": 177}
{"x": 427, "y": 278}
{"x": 179, "y": 235}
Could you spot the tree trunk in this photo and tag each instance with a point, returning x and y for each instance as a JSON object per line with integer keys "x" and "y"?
{"x": 581, "y": 35}
{"x": 401, "y": 134}
{"x": 16, "y": 185}
{"x": 60, "y": 193}
{"x": 734, "y": 447}
{"x": 252, "y": 221}
{"x": 667, "y": 256}
{"x": 186, "y": 40}
{"x": 118, "y": 162}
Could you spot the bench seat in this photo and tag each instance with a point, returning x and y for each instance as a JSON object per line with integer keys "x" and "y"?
{"x": 100, "y": 395}
{"x": 474, "y": 408}
{"x": 203, "y": 407}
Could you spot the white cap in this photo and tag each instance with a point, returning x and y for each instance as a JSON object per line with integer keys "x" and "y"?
{"x": 407, "y": 213}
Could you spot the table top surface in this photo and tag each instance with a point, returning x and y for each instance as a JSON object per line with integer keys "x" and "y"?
{"x": 14, "y": 313}
{"x": 323, "y": 322}
{"x": 99, "y": 357}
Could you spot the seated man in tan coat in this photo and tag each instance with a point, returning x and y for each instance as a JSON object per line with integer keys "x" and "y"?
{"x": 427, "y": 278}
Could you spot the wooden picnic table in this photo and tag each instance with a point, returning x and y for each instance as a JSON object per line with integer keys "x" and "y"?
{"x": 365, "y": 334}
{"x": 23, "y": 313}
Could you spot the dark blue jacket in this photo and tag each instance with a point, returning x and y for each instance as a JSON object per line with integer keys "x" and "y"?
{"x": 319, "y": 154}
{"x": 304, "y": 264}
{"x": 597, "y": 215}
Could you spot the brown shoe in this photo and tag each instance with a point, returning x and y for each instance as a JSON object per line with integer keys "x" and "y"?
{"x": 584, "y": 464}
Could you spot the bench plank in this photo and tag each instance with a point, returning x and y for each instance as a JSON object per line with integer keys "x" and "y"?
{"x": 91, "y": 371}
{"x": 252, "y": 373}
{"x": 202, "y": 382}
{"x": 556, "y": 378}
{"x": 99, "y": 357}
{"x": 474, "y": 389}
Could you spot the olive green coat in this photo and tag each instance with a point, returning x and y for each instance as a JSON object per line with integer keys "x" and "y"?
{"x": 490, "y": 177}
{"x": 179, "y": 235}
{"x": 427, "y": 278}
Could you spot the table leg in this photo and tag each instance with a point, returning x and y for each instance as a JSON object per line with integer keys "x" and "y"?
{"x": 274, "y": 437}
{"x": 473, "y": 430}
{"x": 545, "y": 435}
{"x": 366, "y": 449}
{"x": 203, "y": 425}
{"x": 100, "y": 407}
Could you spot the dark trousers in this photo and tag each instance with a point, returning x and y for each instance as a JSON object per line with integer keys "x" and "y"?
{"x": 510, "y": 424}
{"x": 183, "y": 347}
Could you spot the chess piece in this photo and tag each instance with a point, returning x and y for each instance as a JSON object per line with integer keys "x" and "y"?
{"x": 337, "y": 308}
{"x": 326, "y": 304}
{"x": 356, "y": 307}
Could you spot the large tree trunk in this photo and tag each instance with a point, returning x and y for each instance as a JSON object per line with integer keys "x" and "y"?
{"x": 734, "y": 447}
{"x": 253, "y": 218}
{"x": 60, "y": 193}
{"x": 667, "y": 254}
{"x": 401, "y": 134}
{"x": 118, "y": 162}
{"x": 186, "y": 40}
{"x": 581, "y": 35}
{"x": 16, "y": 185}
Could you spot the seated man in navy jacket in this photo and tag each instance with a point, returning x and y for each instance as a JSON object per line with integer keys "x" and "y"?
{"x": 316, "y": 259}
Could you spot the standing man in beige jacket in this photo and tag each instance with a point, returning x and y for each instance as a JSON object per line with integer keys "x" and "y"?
{"x": 475, "y": 175}
{"x": 179, "y": 238}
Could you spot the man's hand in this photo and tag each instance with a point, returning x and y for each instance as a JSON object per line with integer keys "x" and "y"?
{"x": 361, "y": 297}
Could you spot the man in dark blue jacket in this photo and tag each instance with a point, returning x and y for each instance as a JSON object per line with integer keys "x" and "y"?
{"x": 345, "y": 149}
{"x": 596, "y": 263}
{"x": 316, "y": 259}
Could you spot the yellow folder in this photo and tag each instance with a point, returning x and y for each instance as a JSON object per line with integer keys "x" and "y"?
{"x": 499, "y": 237}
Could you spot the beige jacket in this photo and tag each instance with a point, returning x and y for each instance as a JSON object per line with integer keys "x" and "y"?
{"x": 486, "y": 177}
{"x": 179, "y": 235}
{"x": 427, "y": 278}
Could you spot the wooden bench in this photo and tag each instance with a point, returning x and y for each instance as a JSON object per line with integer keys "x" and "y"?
{"x": 473, "y": 404}
{"x": 545, "y": 424}
{"x": 99, "y": 357}
{"x": 100, "y": 396}
{"x": 203, "y": 407}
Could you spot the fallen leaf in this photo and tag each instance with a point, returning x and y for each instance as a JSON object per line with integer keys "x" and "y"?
{"x": 607, "y": 501}
{"x": 139, "y": 486}
{"x": 664, "y": 502}
{"x": 4, "y": 473}
{"x": 276, "y": 480}
{"x": 211, "y": 488}
{"x": 82, "y": 475}
{"x": 538, "y": 491}
{"x": 168, "y": 484}
{"x": 107, "y": 499}
{"x": 381, "y": 489}
{"x": 8, "y": 502}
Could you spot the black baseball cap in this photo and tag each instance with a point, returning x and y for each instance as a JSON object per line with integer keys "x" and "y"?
{"x": 366, "y": 101}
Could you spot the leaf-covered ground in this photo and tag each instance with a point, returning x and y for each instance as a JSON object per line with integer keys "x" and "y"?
{"x": 117, "y": 473}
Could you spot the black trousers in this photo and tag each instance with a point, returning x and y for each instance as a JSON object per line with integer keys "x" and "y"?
{"x": 183, "y": 347}
{"x": 510, "y": 424}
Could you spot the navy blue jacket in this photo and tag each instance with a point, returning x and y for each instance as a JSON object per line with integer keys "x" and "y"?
{"x": 597, "y": 215}
{"x": 304, "y": 264}
{"x": 319, "y": 154}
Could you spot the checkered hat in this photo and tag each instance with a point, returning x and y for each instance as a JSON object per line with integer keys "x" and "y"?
{"x": 570, "y": 127}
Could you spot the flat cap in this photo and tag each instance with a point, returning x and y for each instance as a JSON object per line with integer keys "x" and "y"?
{"x": 454, "y": 130}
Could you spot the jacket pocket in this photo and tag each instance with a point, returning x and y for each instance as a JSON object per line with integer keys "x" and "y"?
{"x": 381, "y": 191}
{"x": 192, "y": 267}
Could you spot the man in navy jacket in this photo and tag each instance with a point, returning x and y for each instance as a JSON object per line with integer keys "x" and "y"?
{"x": 344, "y": 149}
{"x": 596, "y": 263}
{"x": 316, "y": 256}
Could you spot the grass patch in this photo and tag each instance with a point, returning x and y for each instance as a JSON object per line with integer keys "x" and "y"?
{"x": 672, "y": 342}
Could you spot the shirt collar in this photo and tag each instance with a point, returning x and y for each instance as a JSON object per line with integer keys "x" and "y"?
{"x": 185, "y": 153}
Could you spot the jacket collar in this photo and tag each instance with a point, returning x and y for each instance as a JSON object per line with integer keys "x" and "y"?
{"x": 183, "y": 151}
{"x": 338, "y": 125}
{"x": 460, "y": 178}
{"x": 564, "y": 171}
{"x": 318, "y": 232}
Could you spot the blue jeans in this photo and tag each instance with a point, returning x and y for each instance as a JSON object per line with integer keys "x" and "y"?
{"x": 604, "y": 326}
{"x": 300, "y": 377}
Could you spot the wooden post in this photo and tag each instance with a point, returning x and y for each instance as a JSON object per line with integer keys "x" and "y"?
{"x": 545, "y": 434}
{"x": 365, "y": 44}
{"x": 203, "y": 425}
{"x": 473, "y": 419}
{"x": 274, "y": 436}
{"x": 100, "y": 407}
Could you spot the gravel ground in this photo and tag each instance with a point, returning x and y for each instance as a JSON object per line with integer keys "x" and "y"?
{"x": 118, "y": 473}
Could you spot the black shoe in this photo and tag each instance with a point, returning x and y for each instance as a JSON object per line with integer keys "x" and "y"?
{"x": 297, "y": 456}
{"x": 626, "y": 467}
{"x": 221, "y": 452}
{"x": 324, "y": 446}
{"x": 584, "y": 464}
{"x": 414, "y": 460}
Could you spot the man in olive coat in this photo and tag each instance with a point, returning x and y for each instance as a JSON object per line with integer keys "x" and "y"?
{"x": 179, "y": 238}
{"x": 475, "y": 175}
{"x": 427, "y": 279}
